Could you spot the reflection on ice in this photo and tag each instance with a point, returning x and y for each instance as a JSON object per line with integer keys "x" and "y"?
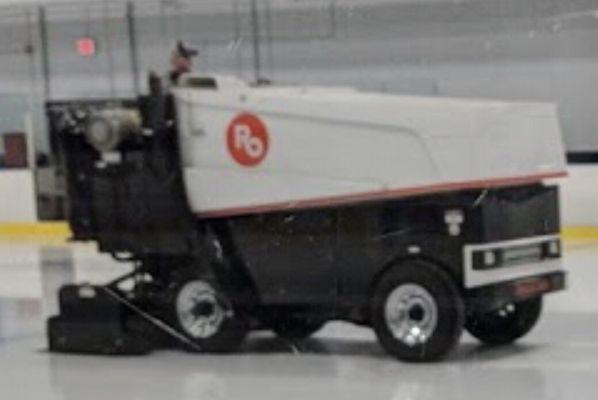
{"x": 558, "y": 360}
{"x": 19, "y": 318}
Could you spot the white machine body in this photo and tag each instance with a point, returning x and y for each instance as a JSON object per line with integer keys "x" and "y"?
{"x": 257, "y": 149}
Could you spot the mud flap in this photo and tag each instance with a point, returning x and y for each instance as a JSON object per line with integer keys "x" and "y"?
{"x": 93, "y": 322}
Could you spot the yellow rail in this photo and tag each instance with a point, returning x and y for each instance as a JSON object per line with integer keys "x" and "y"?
{"x": 61, "y": 231}
{"x": 54, "y": 230}
{"x": 580, "y": 232}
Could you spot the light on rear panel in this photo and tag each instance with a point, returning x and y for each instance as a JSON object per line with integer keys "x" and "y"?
{"x": 522, "y": 254}
{"x": 554, "y": 248}
{"x": 489, "y": 258}
{"x": 453, "y": 220}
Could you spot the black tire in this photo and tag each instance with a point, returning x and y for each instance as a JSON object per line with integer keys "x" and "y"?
{"x": 507, "y": 324}
{"x": 295, "y": 328}
{"x": 193, "y": 296}
{"x": 428, "y": 291}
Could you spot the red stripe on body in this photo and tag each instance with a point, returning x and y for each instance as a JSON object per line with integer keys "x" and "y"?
{"x": 381, "y": 195}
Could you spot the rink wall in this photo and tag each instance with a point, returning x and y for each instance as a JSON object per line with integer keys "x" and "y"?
{"x": 17, "y": 196}
{"x": 579, "y": 202}
{"x": 579, "y": 196}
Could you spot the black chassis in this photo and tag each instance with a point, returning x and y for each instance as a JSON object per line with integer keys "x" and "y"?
{"x": 323, "y": 261}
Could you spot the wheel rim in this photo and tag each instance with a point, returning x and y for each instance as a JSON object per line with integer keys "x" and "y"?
{"x": 411, "y": 314}
{"x": 199, "y": 310}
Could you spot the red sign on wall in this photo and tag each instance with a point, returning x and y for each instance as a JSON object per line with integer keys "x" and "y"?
{"x": 86, "y": 47}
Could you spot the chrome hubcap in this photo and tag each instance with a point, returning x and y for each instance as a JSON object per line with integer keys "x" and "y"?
{"x": 198, "y": 310}
{"x": 411, "y": 314}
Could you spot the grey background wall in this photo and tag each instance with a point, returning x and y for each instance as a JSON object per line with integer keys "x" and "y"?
{"x": 508, "y": 49}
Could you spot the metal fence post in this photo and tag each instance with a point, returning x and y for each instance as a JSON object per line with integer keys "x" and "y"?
{"x": 269, "y": 38}
{"x": 107, "y": 35}
{"x": 44, "y": 54}
{"x": 30, "y": 51}
{"x": 131, "y": 29}
{"x": 255, "y": 26}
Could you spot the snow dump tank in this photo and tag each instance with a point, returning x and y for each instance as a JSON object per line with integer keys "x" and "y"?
{"x": 256, "y": 149}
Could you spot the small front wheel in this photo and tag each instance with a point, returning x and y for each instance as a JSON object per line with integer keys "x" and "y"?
{"x": 204, "y": 313}
{"x": 417, "y": 312}
{"x": 506, "y": 324}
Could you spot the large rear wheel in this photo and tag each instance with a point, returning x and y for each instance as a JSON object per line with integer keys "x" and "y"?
{"x": 417, "y": 312}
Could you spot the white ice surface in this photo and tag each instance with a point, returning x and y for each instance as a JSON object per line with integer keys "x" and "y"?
{"x": 558, "y": 360}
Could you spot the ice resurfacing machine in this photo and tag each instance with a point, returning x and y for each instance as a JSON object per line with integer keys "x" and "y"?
{"x": 282, "y": 208}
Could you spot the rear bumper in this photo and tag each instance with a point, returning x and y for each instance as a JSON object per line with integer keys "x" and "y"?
{"x": 475, "y": 278}
{"x": 493, "y": 297}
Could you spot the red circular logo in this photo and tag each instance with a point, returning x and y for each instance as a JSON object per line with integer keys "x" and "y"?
{"x": 247, "y": 140}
